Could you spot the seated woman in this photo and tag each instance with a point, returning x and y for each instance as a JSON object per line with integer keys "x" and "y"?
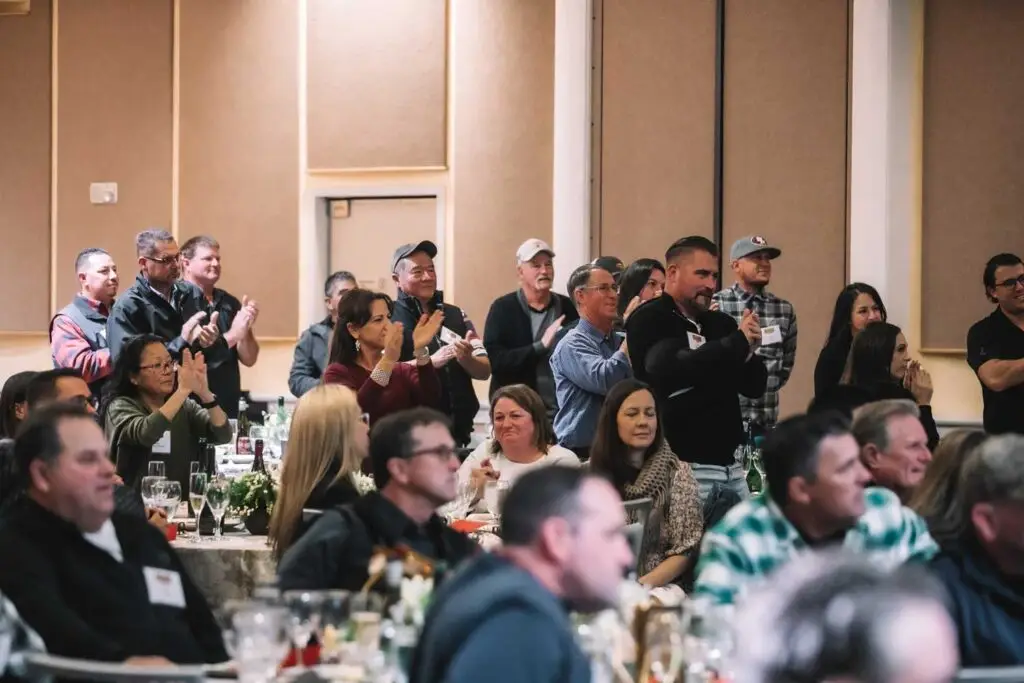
{"x": 14, "y": 402}
{"x": 326, "y": 446}
{"x": 147, "y": 417}
{"x": 856, "y": 306}
{"x": 629, "y": 449}
{"x": 364, "y": 356}
{"x": 880, "y": 368}
{"x": 523, "y": 441}
{"x": 935, "y": 497}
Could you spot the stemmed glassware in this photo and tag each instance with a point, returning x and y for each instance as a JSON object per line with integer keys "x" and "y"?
{"x": 217, "y": 497}
{"x": 168, "y": 497}
{"x": 157, "y": 468}
{"x": 197, "y": 485}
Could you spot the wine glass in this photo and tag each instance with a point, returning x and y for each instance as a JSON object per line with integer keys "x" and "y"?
{"x": 157, "y": 468}
{"x": 334, "y": 620}
{"x": 217, "y": 498}
{"x": 169, "y": 497}
{"x": 259, "y": 641}
{"x": 304, "y": 608}
{"x": 149, "y": 491}
{"x": 197, "y": 484}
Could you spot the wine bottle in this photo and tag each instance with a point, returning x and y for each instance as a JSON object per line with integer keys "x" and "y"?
{"x": 257, "y": 461}
{"x": 242, "y": 445}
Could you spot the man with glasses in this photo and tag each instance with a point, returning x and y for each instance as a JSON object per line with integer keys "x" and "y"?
{"x": 157, "y": 303}
{"x": 995, "y": 346}
{"x": 589, "y": 360}
{"x": 415, "y": 469}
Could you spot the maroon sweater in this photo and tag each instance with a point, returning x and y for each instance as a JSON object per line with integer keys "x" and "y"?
{"x": 410, "y": 387}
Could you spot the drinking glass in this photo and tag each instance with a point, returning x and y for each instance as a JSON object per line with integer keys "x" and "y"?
{"x": 304, "y": 609}
{"x": 501, "y": 489}
{"x": 365, "y": 611}
{"x": 259, "y": 640}
{"x": 193, "y": 467}
{"x": 157, "y": 468}
{"x": 149, "y": 490}
{"x": 217, "y": 498}
{"x": 197, "y": 484}
{"x": 168, "y": 497}
{"x": 335, "y": 608}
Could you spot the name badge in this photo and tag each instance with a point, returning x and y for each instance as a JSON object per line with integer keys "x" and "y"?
{"x": 163, "y": 446}
{"x": 771, "y": 335}
{"x": 164, "y": 587}
{"x": 448, "y": 337}
{"x": 696, "y": 340}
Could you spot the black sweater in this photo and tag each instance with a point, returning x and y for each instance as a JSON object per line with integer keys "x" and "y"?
{"x": 86, "y": 604}
{"x": 697, "y": 389}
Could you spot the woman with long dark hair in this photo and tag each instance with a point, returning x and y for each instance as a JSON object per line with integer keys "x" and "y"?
{"x": 857, "y": 306}
{"x": 630, "y": 450}
{"x": 365, "y": 349}
{"x": 149, "y": 414}
{"x": 644, "y": 279}
{"x": 14, "y": 402}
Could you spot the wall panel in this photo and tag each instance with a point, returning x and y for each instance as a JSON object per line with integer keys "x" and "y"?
{"x": 785, "y": 156}
{"x": 377, "y": 83}
{"x": 25, "y": 170}
{"x": 114, "y": 124}
{"x": 240, "y": 147}
{"x": 973, "y": 169}
{"x": 502, "y": 147}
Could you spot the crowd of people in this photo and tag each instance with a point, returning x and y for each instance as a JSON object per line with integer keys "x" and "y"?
{"x": 641, "y": 383}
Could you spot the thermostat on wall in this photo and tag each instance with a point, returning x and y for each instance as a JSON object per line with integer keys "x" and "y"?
{"x": 103, "y": 193}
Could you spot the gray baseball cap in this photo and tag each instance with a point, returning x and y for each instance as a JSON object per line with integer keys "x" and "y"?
{"x": 407, "y": 250}
{"x": 745, "y": 246}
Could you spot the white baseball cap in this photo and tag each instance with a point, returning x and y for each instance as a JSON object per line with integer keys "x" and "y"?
{"x": 530, "y": 248}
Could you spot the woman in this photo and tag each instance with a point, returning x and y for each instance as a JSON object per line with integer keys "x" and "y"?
{"x": 629, "y": 449}
{"x": 857, "y": 306}
{"x": 522, "y": 441}
{"x": 13, "y": 403}
{"x": 935, "y": 497}
{"x": 148, "y": 418}
{"x": 643, "y": 280}
{"x": 365, "y": 351}
{"x": 326, "y": 446}
{"x": 879, "y": 368}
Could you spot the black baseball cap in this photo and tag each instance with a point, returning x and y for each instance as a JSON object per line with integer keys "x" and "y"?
{"x": 610, "y": 263}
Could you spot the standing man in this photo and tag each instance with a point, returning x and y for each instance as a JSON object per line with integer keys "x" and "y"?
{"x": 995, "y": 346}
{"x": 523, "y": 326}
{"x": 697, "y": 362}
{"x": 310, "y": 358}
{"x": 157, "y": 303}
{"x": 78, "y": 333}
{"x": 456, "y": 352}
{"x": 200, "y": 262}
{"x": 589, "y": 360}
{"x": 751, "y": 260}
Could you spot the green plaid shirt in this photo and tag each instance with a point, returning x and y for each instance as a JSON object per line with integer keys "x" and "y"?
{"x": 755, "y": 538}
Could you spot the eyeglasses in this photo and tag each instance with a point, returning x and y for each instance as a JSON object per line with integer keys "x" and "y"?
{"x": 603, "y": 289}
{"x": 163, "y": 260}
{"x": 1012, "y": 282}
{"x": 439, "y": 452}
{"x": 166, "y": 366}
{"x": 82, "y": 401}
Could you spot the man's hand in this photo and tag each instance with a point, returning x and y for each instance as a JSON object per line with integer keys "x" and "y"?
{"x": 157, "y": 518}
{"x": 750, "y": 326}
{"x": 190, "y": 330}
{"x": 209, "y": 333}
{"x": 548, "y": 339}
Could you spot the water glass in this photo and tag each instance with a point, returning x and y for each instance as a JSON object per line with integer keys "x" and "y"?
{"x": 193, "y": 467}
{"x": 304, "y": 620}
{"x": 168, "y": 497}
{"x": 197, "y": 484}
{"x": 259, "y": 641}
{"x": 365, "y": 613}
{"x": 157, "y": 469}
{"x": 218, "y": 494}
{"x": 149, "y": 490}
{"x": 335, "y": 611}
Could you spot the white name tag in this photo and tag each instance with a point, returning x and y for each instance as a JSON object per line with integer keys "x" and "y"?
{"x": 164, "y": 587}
{"x": 447, "y": 336}
{"x": 696, "y": 340}
{"x": 771, "y": 335}
{"x": 163, "y": 446}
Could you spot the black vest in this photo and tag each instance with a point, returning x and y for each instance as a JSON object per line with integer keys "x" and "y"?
{"x": 93, "y": 324}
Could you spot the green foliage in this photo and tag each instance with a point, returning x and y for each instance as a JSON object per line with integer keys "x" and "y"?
{"x": 252, "y": 491}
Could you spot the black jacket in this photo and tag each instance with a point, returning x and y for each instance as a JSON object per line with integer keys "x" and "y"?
{"x": 86, "y": 604}
{"x": 223, "y": 371}
{"x": 508, "y": 338}
{"x": 335, "y": 552}
{"x": 310, "y": 358}
{"x": 140, "y": 310}
{"x": 697, "y": 389}
{"x": 846, "y": 398}
{"x": 831, "y": 365}
{"x": 458, "y": 397}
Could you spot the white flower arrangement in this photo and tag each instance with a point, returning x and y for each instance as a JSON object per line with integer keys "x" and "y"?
{"x": 414, "y": 596}
{"x": 364, "y": 483}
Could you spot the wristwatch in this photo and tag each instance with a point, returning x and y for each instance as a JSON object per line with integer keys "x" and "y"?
{"x": 212, "y": 403}
{"x": 420, "y": 354}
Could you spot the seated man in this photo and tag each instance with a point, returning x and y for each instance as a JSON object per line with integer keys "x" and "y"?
{"x": 415, "y": 468}
{"x": 92, "y": 582}
{"x": 504, "y": 617}
{"x": 816, "y": 498}
{"x": 982, "y": 569}
{"x": 893, "y": 444}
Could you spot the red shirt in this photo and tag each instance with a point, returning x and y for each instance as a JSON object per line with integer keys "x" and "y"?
{"x": 410, "y": 387}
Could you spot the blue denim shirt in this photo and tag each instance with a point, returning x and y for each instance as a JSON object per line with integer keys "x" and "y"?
{"x": 586, "y": 365}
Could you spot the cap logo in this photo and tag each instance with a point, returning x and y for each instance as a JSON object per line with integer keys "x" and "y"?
{"x": 759, "y": 241}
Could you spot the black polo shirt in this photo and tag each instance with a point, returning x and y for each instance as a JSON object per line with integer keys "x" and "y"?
{"x": 223, "y": 371}
{"x": 997, "y": 338}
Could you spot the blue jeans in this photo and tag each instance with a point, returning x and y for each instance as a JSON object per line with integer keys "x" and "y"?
{"x": 731, "y": 477}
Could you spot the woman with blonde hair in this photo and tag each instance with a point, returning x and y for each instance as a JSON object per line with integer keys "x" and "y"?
{"x": 327, "y": 442}
{"x": 935, "y": 497}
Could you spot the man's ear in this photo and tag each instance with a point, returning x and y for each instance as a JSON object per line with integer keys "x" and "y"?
{"x": 871, "y": 456}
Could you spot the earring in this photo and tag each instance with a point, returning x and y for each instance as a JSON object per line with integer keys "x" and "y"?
{"x": 357, "y": 346}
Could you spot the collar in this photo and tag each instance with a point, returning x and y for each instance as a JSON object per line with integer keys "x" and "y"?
{"x": 436, "y": 301}
{"x": 521, "y": 295}
{"x": 97, "y": 306}
{"x": 387, "y": 521}
{"x": 744, "y": 295}
{"x": 586, "y": 327}
{"x": 787, "y": 531}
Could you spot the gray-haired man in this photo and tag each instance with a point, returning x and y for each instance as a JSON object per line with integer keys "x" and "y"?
{"x": 893, "y": 444}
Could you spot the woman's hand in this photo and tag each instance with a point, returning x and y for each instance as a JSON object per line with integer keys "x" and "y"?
{"x": 393, "y": 342}
{"x": 919, "y": 382}
{"x": 187, "y": 379}
{"x": 426, "y": 329}
{"x": 480, "y": 476}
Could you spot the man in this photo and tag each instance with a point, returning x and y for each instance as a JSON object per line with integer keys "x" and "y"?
{"x": 751, "y": 261}
{"x": 995, "y": 346}
{"x": 415, "y": 469}
{"x": 589, "y": 360}
{"x": 158, "y": 303}
{"x": 310, "y": 358}
{"x": 893, "y": 444}
{"x": 982, "y": 564}
{"x": 78, "y": 333}
{"x": 698, "y": 361}
{"x": 94, "y": 583}
{"x": 816, "y": 498}
{"x": 840, "y": 619}
{"x": 613, "y": 264}
{"x": 457, "y": 353}
{"x": 524, "y": 326}
{"x": 200, "y": 262}
{"x": 504, "y": 617}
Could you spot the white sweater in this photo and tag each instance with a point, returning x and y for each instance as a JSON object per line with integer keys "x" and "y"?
{"x": 511, "y": 471}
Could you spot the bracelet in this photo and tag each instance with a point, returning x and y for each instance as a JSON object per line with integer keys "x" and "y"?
{"x": 421, "y": 354}
{"x": 381, "y": 375}
{"x": 212, "y": 403}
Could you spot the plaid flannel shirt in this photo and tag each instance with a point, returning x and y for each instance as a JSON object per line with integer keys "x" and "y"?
{"x": 778, "y": 358}
{"x": 755, "y": 538}
{"x": 70, "y": 348}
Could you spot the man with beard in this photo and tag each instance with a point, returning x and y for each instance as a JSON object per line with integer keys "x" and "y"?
{"x": 698, "y": 361}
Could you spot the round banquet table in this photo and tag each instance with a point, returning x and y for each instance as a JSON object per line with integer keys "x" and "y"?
{"x": 228, "y": 568}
